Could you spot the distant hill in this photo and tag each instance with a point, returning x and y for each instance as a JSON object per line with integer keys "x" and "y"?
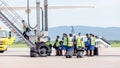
{"x": 111, "y": 33}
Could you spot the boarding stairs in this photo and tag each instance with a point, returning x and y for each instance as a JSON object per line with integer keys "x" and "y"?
{"x": 13, "y": 21}
{"x": 103, "y": 41}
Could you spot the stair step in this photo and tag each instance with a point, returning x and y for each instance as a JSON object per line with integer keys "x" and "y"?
{"x": 3, "y": 21}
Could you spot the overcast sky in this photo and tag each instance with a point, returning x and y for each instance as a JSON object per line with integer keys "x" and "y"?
{"x": 105, "y": 14}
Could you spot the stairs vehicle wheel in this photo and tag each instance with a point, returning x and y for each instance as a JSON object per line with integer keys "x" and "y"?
{"x": 33, "y": 52}
{"x": 1, "y": 51}
{"x": 43, "y": 50}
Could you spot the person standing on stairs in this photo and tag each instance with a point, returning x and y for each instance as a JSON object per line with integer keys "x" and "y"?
{"x": 26, "y": 30}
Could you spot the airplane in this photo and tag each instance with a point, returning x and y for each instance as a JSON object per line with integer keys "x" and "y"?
{"x": 51, "y": 7}
{"x": 100, "y": 40}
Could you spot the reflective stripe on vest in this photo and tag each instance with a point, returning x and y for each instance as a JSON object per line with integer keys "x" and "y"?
{"x": 92, "y": 40}
{"x": 70, "y": 41}
{"x": 64, "y": 41}
{"x": 58, "y": 43}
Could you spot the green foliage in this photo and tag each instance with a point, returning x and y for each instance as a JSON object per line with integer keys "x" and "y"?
{"x": 115, "y": 43}
{"x": 19, "y": 44}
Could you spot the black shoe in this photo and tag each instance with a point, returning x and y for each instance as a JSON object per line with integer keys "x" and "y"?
{"x": 61, "y": 55}
{"x": 88, "y": 55}
{"x": 74, "y": 54}
{"x": 56, "y": 55}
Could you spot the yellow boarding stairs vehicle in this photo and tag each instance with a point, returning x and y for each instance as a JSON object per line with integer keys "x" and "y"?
{"x": 5, "y": 40}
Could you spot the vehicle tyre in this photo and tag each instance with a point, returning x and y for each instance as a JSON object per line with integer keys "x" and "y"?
{"x": 1, "y": 51}
{"x": 33, "y": 52}
{"x": 49, "y": 54}
{"x": 43, "y": 50}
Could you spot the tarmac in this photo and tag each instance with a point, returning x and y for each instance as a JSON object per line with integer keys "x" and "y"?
{"x": 19, "y": 58}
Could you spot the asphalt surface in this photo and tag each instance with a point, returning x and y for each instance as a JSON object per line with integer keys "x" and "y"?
{"x": 19, "y": 58}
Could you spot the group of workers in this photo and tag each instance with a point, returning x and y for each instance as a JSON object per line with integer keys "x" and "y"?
{"x": 68, "y": 43}
{"x": 72, "y": 43}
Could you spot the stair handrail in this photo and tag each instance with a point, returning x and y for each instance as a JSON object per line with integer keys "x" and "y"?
{"x": 16, "y": 19}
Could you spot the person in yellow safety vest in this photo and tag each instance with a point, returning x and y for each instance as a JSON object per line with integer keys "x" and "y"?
{"x": 57, "y": 45}
{"x": 26, "y": 30}
{"x": 80, "y": 42}
{"x": 50, "y": 45}
{"x": 64, "y": 46}
{"x": 70, "y": 43}
{"x": 92, "y": 47}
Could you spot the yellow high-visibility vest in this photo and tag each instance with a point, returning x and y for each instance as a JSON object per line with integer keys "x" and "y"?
{"x": 70, "y": 41}
{"x": 58, "y": 43}
{"x": 48, "y": 43}
{"x": 92, "y": 40}
{"x": 64, "y": 41}
{"x": 80, "y": 43}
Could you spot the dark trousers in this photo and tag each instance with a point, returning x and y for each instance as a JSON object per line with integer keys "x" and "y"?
{"x": 58, "y": 51}
{"x": 25, "y": 35}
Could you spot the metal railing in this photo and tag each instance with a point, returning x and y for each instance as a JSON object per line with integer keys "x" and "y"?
{"x": 11, "y": 14}
{"x": 13, "y": 21}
